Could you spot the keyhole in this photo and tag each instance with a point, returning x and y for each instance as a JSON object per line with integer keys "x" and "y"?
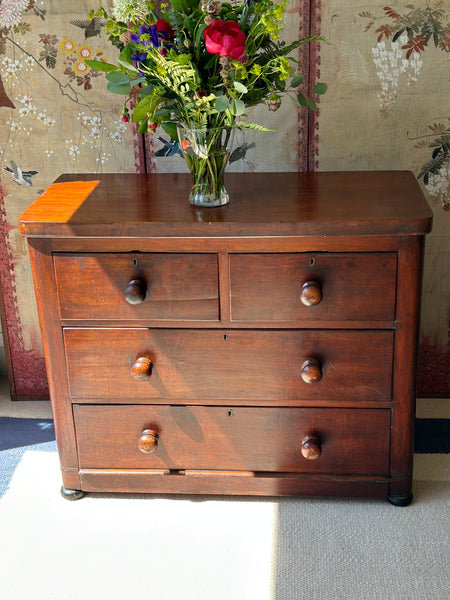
{"x": 312, "y": 262}
{"x": 230, "y": 413}
{"x": 225, "y": 337}
{"x": 135, "y": 262}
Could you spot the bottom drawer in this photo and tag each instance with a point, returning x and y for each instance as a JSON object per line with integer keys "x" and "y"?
{"x": 350, "y": 441}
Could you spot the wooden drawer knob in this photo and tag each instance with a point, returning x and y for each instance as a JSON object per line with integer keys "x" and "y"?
{"x": 135, "y": 291}
{"x": 311, "y": 371}
{"x": 311, "y": 293}
{"x": 148, "y": 441}
{"x": 311, "y": 448}
{"x": 142, "y": 368}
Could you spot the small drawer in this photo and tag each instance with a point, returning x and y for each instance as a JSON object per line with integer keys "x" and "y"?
{"x": 159, "y": 286}
{"x": 313, "y": 287}
{"x": 323, "y": 440}
{"x": 207, "y": 364}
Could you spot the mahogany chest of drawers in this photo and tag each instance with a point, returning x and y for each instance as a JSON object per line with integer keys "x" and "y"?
{"x": 266, "y": 347}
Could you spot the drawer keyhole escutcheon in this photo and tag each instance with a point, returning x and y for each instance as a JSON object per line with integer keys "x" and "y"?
{"x": 142, "y": 368}
{"x": 311, "y": 448}
{"x": 148, "y": 441}
{"x": 311, "y": 293}
{"x": 311, "y": 371}
{"x": 135, "y": 292}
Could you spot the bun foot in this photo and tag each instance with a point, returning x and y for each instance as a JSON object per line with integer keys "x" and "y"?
{"x": 400, "y": 500}
{"x": 71, "y": 494}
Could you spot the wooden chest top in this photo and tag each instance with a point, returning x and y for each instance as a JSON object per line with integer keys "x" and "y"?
{"x": 262, "y": 204}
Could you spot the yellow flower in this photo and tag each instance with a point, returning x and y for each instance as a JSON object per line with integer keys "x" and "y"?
{"x": 67, "y": 46}
{"x": 85, "y": 52}
{"x": 81, "y": 68}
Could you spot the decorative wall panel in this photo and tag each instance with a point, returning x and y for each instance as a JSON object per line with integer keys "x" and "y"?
{"x": 56, "y": 117}
{"x": 386, "y": 108}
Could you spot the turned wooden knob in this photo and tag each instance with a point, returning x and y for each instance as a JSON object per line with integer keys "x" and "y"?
{"x": 311, "y": 448}
{"x": 135, "y": 291}
{"x": 148, "y": 441}
{"x": 142, "y": 368}
{"x": 311, "y": 371}
{"x": 311, "y": 293}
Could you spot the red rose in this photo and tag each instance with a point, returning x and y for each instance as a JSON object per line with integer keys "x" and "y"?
{"x": 225, "y": 39}
{"x": 165, "y": 31}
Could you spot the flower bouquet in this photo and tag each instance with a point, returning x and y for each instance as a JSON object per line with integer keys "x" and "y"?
{"x": 193, "y": 67}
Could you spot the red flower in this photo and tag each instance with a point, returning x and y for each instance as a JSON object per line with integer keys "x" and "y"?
{"x": 225, "y": 39}
{"x": 165, "y": 31}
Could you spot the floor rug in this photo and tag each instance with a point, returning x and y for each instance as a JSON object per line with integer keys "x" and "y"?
{"x": 122, "y": 547}
{"x": 432, "y": 435}
{"x": 18, "y": 435}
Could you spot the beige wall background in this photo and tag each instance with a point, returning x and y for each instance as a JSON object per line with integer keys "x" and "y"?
{"x": 386, "y": 108}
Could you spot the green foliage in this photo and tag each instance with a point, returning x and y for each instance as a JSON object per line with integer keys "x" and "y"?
{"x": 99, "y": 65}
{"x": 249, "y": 125}
{"x": 320, "y": 88}
{"x": 173, "y": 75}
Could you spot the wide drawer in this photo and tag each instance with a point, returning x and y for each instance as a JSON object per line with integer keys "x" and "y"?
{"x": 217, "y": 364}
{"x": 351, "y": 286}
{"x": 163, "y": 286}
{"x": 354, "y": 441}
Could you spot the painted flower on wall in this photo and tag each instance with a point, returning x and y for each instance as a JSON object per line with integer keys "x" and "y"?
{"x": 67, "y": 46}
{"x": 402, "y": 38}
{"x": 62, "y": 60}
{"x": 11, "y": 12}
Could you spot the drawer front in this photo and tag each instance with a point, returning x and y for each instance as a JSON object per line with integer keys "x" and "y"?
{"x": 351, "y": 441}
{"x": 217, "y": 364}
{"x": 167, "y": 286}
{"x": 351, "y": 287}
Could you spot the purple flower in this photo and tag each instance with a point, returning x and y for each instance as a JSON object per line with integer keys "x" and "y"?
{"x": 147, "y": 36}
{"x": 139, "y": 59}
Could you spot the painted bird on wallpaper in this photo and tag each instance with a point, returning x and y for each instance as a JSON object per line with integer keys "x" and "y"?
{"x": 240, "y": 152}
{"x": 92, "y": 28}
{"x": 170, "y": 148}
{"x": 20, "y": 177}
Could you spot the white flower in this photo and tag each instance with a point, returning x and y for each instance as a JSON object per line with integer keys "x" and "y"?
{"x": 26, "y": 99}
{"x": 116, "y": 136}
{"x": 19, "y": 4}
{"x": 438, "y": 186}
{"x": 13, "y": 67}
{"x": 29, "y": 62}
{"x": 47, "y": 121}
{"x": 73, "y": 151}
{"x": 10, "y": 15}
{"x": 104, "y": 158}
{"x": 124, "y": 9}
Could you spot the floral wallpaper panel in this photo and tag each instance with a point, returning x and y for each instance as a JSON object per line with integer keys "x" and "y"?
{"x": 56, "y": 117}
{"x": 388, "y": 108}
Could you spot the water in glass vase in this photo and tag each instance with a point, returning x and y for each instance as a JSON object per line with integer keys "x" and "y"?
{"x": 206, "y": 152}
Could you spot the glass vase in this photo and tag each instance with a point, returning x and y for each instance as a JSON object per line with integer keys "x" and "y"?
{"x": 206, "y": 152}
